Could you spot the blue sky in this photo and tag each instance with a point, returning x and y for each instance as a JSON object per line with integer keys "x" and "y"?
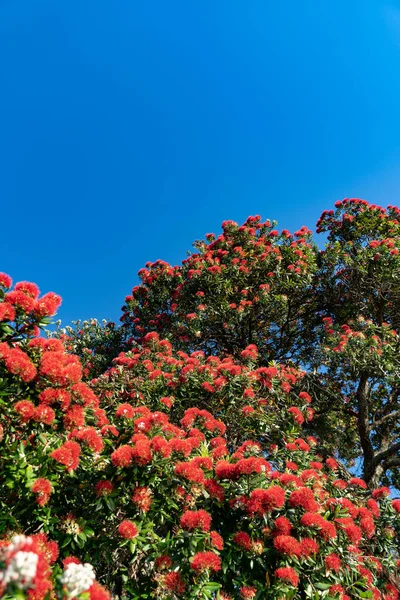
{"x": 129, "y": 129}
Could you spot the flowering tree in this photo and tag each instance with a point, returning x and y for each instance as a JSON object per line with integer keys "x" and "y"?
{"x": 332, "y": 312}
{"x": 171, "y": 502}
{"x": 249, "y": 285}
{"x": 96, "y": 343}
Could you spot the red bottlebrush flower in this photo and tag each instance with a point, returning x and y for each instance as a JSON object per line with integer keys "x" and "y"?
{"x": 20, "y": 301}
{"x": 288, "y": 575}
{"x": 122, "y": 456}
{"x": 359, "y": 482}
{"x": 70, "y": 560}
{"x": 368, "y": 526}
{"x": 142, "y": 498}
{"x": 396, "y": 505}
{"x": 316, "y": 521}
{"x": 52, "y": 395}
{"x": 174, "y": 582}
{"x": 340, "y": 484}
{"x": 216, "y": 540}
{"x": 28, "y": 288}
{"x": 203, "y": 561}
{"x": 141, "y": 452}
{"x": 303, "y": 498}
{"x": 308, "y": 546}
{"x": 288, "y": 545}
{"x": 297, "y": 414}
{"x": 381, "y": 492}
{"x": 208, "y": 387}
{"x": 247, "y": 410}
{"x": 103, "y": 488}
{"x": 98, "y": 592}
{"x": 90, "y": 436}
{"x": 168, "y": 402}
{"x": 248, "y": 592}
{"x": 44, "y": 414}
{"x": 263, "y": 501}
{"x": 60, "y": 368}
{"x": 331, "y": 464}
{"x": 43, "y": 488}
{"x": 68, "y": 455}
{"x": 163, "y": 562}
{"x": 74, "y": 417}
{"x": 7, "y": 312}
{"x": 215, "y": 489}
{"x": 250, "y": 352}
{"x": 248, "y": 393}
{"x": 282, "y": 526}
{"x": 47, "y": 305}
{"x": 225, "y": 470}
{"x": 352, "y": 531}
{"x": 5, "y": 280}
{"x": 125, "y": 410}
{"x": 291, "y": 465}
{"x": 306, "y": 397}
{"x": 242, "y": 539}
{"x": 196, "y": 519}
{"x": 333, "y": 562}
{"x": 18, "y": 362}
{"x": 127, "y": 529}
{"x": 25, "y": 408}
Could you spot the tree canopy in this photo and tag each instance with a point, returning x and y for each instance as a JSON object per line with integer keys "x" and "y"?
{"x": 207, "y": 447}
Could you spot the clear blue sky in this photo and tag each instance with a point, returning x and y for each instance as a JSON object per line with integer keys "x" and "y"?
{"x": 130, "y": 128}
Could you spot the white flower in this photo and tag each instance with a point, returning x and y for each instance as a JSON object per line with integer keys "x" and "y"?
{"x": 21, "y": 569}
{"x": 77, "y": 578}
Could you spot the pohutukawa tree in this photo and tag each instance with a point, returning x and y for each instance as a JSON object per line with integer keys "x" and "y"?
{"x": 196, "y": 451}
{"x": 255, "y": 285}
{"x": 167, "y": 501}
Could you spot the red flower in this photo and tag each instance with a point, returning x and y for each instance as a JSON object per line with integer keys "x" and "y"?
{"x": 359, "y": 482}
{"x": 242, "y": 539}
{"x": 98, "y": 592}
{"x": 196, "y": 519}
{"x": 127, "y": 529}
{"x": 381, "y": 492}
{"x": 288, "y": 545}
{"x": 18, "y": 362}
{"x": 263, "y": 501}
{"x": 248, "y": 592}
{"x": 28, "y": 288}
{"x": 282, "y": 526}
{"x": 47, "y": 305}
{"x": 216, "y": 540}
{"x": 396, "y": 505}
{"x": 163, "y": 562}
{"x": 122, "y": 456}
{"x": 7, "y": 312}
{"x": 333, "y": 562}
{"x": 303, "y": 498}
{"x": 174, "y": 582}
{"x": 25, "y": 408}
{"x": 43, "y": 488}
{"x": 287, "y": 574}
{"x": 308, "y": 546}
{"x": 68, "y": 455}
{"x": 203, "y": 561}
{"x": 142, "y": 498}
{"x": 297, "y": 414}
{"x": 5, "y": 280}
{"x": 103, "y": 488}
{"x": 316, "y": 521}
